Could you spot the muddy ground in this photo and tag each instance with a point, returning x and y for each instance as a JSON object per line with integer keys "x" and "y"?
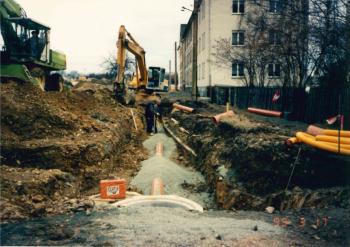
{"x": 247, "y": 165}
{"x": 56, "y": 146}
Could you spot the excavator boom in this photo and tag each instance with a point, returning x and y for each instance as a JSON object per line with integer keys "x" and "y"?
{"x": 141, "y": 81}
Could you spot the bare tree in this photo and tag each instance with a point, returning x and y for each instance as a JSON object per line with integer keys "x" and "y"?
{"x": 309, "y": 38}
{"x": 329, "y": 38}
{"x": 253, "y": 54}
{"x": 110, "y": 66}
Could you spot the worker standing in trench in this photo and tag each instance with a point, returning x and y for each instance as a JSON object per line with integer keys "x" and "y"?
{"x": 152, "y": 113}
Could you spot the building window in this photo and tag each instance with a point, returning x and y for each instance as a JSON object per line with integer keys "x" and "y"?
{"x": 199, "y": 72}
{"x": 238, "y": 6}
{"x": 203, "y": 70}
{"x": 203, "y": 41}
{"x": 275, "y": 37}
{"x": 274, "y": 70}
{"x": 203, "y": 10}
{"x": 238, "y": 38}
{"x": 237, "y": 69}
{"x": 275, "y": 6}
{"x": 199, "y": 44}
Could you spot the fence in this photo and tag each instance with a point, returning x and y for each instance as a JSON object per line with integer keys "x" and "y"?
{"x": 313, "y": 107}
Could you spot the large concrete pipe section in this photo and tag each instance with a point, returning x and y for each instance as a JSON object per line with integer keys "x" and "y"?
{"x": 219, "y": 117}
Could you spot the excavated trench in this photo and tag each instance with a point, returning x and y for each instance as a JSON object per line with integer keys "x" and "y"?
{"x": 247, "y": 165}
{"x": 178, "y": 180}
{"x": 164, "y": 226}
{"x": 242, "y": 165}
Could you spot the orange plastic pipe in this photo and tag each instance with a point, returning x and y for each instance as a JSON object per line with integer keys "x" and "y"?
{"x": 159, "y": 149}
{"x": 292, "y": 141}
{"x": 265, "y": 112}
{"x": 219, "y": 117}
{"x": 343, "y": 133}
{"x": 157, "y": 187}
{"x": 334, "y": 139}
{"x": 315, "y": 131}
{"x": 310, "y": 140}
{"x": 346, "y": 146}
{"x": 183, "y": 108}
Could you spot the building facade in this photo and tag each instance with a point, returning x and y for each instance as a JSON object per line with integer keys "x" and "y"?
{"x": 219, "y": 20}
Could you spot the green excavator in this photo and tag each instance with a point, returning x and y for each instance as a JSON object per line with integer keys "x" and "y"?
{"x": 26, "y": 55}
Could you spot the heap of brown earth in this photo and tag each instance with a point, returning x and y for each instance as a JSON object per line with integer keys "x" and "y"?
{"x": 247, "y": 163}
{"x": 56, "y": 146}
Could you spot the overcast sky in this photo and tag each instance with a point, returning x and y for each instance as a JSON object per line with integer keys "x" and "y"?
{"x": 86, "y": 30}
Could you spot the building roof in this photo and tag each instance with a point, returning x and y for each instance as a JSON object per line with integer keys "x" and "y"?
{"x": 185, "y": 30}
{"x": 182, "y": 30}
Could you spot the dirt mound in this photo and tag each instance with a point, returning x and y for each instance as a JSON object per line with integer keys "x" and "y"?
{"x": 83, "y": 133}
{"x": 248, "y": 165}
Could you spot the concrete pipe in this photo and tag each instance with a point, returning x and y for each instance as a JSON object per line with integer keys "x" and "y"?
{"x": 159, "y": 149}
{"x": 183, "y": 108}
{"x": 216, "y": 119}
{"x": 157, "y": 187}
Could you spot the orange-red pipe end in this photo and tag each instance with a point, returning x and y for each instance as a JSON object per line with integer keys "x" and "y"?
{"x": 265, "y": 112}
{"x": 183, "y": 108}
{"x": 216, "y": 119}
{"x": 157, "y": 187}
{"x": 159, "y": 149}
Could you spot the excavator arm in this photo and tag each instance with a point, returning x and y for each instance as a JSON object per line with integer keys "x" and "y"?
{"x": 125, "y": 43}
{"x": 146, "y": 81}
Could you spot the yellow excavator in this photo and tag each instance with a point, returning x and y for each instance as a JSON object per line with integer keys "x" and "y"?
{"x": 140, "y": 87}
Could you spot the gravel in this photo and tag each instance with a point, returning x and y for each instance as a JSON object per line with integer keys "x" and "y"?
{"x": 172, "y": 174}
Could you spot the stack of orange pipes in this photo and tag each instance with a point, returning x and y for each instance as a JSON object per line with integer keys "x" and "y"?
{"x": 334, "y": 141}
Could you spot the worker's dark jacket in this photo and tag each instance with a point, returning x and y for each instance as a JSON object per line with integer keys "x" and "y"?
{"x": 151, "y": 111}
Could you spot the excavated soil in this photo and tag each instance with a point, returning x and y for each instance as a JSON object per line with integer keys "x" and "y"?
{"x": 56, "y": 146}
{"x": 247, "y": 163}
{"x": 247, "y": 166}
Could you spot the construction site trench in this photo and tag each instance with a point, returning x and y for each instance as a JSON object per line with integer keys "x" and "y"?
{"x": 57, "y": 146}
{"x": 247, "y": 164}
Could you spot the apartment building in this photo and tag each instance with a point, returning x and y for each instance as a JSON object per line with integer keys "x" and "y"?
{"x": 214, "y": 20}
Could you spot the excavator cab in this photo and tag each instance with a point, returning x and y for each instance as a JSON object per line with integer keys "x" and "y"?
{"x": 26, "y": 55}
{"x": 156, "y": 76}
{"x": 26, "y": 41}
